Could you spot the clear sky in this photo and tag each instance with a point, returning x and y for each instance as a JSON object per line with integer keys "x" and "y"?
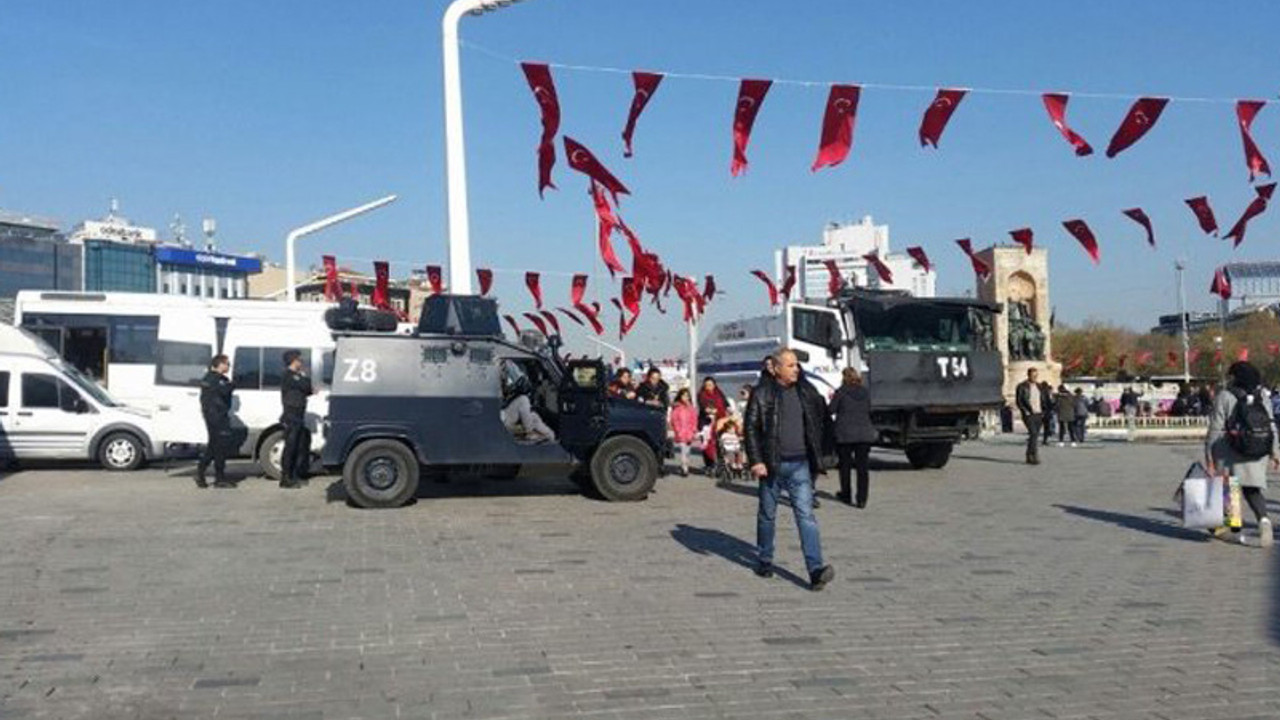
{"x": 267, "y": 115}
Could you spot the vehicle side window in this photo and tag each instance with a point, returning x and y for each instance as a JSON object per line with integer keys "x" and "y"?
{"x": 68, "y": 398}
{"x": 39, "y": 391}
{"x": 326, "y": 368}
{"x": 246, "y": 368}
{"x": 4, "y": 389}
{"x": 273, "y": 364}
{"x": 133, "y": 339}
{"x": 181, "y": 363}
{"x": 811, "y": 326}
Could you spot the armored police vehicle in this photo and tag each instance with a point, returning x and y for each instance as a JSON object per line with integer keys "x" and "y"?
{"x": 434, "y": 399}
{"x": 930, "y": 363}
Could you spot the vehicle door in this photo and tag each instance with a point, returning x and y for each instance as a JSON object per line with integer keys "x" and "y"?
{"x": 583, "y": 406}
{"x": 52, "y": 419}
{"x": 817, "y": 332}
{"x": 8, "y": 416}
{"x": 184, "y": 349}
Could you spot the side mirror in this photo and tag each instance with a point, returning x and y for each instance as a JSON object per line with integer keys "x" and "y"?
{"x": 801, "y": 355}
{"x": 79, "y": 406}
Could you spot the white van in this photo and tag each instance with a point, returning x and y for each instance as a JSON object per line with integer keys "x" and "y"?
{"x": 50, "y": 411}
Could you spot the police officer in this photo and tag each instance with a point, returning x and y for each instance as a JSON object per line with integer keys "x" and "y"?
{"x": 215, "y": 406}
{"x": 294, "y": 391}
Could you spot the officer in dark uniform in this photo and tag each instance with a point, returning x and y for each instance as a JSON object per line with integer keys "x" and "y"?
{"x": 294, "y": 391}
{"x": 215, "y": 406}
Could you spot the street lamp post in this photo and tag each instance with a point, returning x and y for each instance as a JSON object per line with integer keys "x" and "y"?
{"x": 622, "y": 354}
{"x": 454, "y": 144}
{"x": 292, "y": 239}
{"x": 1179, "y": 267}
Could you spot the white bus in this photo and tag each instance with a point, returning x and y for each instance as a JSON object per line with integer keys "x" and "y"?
{"x": 151, "y": 350}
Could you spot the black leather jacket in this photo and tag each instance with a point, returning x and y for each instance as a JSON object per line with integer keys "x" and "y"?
{"x": 1022, "y": 395}
{"x": 295, "y": 388}
{"x": 215, "y": 398}
{"x": 762, "y": 430}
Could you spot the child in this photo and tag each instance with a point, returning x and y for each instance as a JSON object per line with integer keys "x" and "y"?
{"x": 684, "y": 428}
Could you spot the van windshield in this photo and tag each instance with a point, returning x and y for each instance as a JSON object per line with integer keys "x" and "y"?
{"x": 88, "y": 386}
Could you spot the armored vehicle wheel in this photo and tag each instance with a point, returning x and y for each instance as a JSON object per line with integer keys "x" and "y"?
{"x": 929, "y": 455}
{"x": 380, "y": 474}
{"x": 623, "y": 468}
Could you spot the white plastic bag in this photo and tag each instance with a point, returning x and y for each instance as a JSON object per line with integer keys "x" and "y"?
{"x": 1201, "y": 499}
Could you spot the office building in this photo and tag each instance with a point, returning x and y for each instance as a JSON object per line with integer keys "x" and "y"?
{"x": 34, "y": 255}
{"x": 846, "y": 244}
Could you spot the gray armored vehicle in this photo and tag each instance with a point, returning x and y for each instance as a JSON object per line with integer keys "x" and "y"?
{"x": 435, "y": 399}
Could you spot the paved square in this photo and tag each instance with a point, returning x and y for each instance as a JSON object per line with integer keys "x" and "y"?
{"x": 986, "y": 590}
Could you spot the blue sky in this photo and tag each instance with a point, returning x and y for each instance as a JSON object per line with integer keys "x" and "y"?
{"x": 268, "y": 115}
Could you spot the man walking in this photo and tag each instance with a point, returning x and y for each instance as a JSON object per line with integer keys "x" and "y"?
{"x": 1033, "y": 403}
{"x": 215, "y": 406}
{"x": 295, "y": 388}
{"x": 785, "y": 421}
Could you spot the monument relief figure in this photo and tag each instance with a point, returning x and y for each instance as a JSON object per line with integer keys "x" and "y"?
{"x": 1026, "y": 339}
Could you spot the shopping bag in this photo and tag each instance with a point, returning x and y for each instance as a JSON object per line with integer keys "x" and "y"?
{"x": 1202, "y": 505}
{"x": 1235, "y": 504}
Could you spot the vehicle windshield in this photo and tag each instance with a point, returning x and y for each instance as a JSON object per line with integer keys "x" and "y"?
{"x": 923, "y": 327}
{"x": 87, "y": 386}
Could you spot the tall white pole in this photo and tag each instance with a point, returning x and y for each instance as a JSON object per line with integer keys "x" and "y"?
{"x": 291, "y": 240}
{"x": 1182, "y": 317}
{"x": 455, "y": 152}
{"x": 693, "y": 355}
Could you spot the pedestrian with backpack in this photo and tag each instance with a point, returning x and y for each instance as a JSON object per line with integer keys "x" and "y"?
{"x": 1242, "y": 439}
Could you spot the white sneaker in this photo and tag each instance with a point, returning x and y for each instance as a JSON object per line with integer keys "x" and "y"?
{"x": 1265, "y": 537}
{"x": 1074, "y": 445}
{"x": 1060, "y": 445}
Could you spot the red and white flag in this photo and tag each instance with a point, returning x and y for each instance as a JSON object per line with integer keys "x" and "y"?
{"x": 582, "y": 160}
{"x": 1079, "y": 229}
{"x": 882, "y": 270}
{"x": 939, "y": 113}
{"x": 631, "y": 295}
{"x": 515, "y": 329}
{"x": 382, "y": 281}
{"x": 592, "y": 314}
{"x": 1221, "y": 285}
{"x": 837, "y": 126}
{"x": 570, "y": 314}
{"x": 1142, "y": 116}
{"x": 538, "y": 322}
{"x": 768, "y": 282}
{"x": 1023, "y": 237}
{"x": 1256, "y": 208}
{"x": 332, "y": 288}
{"x": 788, "y": 282}
{"x": 834, "y": 280}
{"x": 750, "y": 96}
{"x": 435, "y": 279}
{"x": 1056, "y": 104}
{"x": 577, "y": 289}
{"x": 646, "y": 84}
{"x": 533, "y": 281}
{"x": 1171, "y": 359}
{"x": 980, "y": 268}
{"x": 1243, "y": 354}
{"x": 917, "y": 253}
{"x": 485, "y": 276}
{"x": 1204, "y": 214}
{"x": 538, "y": 76}
{"x": 1246, "y": 111}
{"x": 607, "y": 222}
{"x": 1100, "y": 361}
{"x": 708, "y": 289}
{"x": 551, "y": 319}
{"x": 1140, "y": 217}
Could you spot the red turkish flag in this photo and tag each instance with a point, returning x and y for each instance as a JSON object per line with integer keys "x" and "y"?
{"x": 788, "y": 282}
{"x": 332, "y": 288}
{"x": 1243, "y": 354}
{"x": 512, "y": 322}
{"x": 1100, "y": 361}
{"x": 837, "y": 126}
{"x": 382, "y": 279}
{"x": 750, "y": 96}
{"x": 646, "y": 84}
{"x": 532, "y": 280}
{"x": 435, "y": 279}
{"x": 768, "y": 281}
{"x": 882, "y": 270}
{"x": 709, "y": 288}
{"x": 1193, "y": 356}
{"x": 1075, "y": 363}
{"x": 1144, "y": 358}
{"x": 578, "y": 289}
{"x": 1273, "y": 348}
{"x": 1121, "y": 361}
{"x": 1221, "y": 285}
{"x": 834, "y": 281}
{"x": 1142, "y": 116}
{"x": 1204, "y": 214}
{"x": 569, "y": 314}
{"x": 538, "y": 322}
{"x": 1171, "y": 359}
{"x": 592, "y": 314}
{"x": 1246, "y": 110}
{"x": 607, "y": 221}
{"x": 939, "y": 113}
{"x": 980, "y": 268}
{"x": 1056, "y": 104}
{"x": 582, "y": 160}
{"x": 551, "y": 319}
{"x": 1023, "y": 237}
{"x": 1080, "y": 230}
{"x": 917, "y": 253}
{"x": 1256, "y": 208}
{"x": 485, "y": 276}
{"x": 631, "y": 295}
{"x": 1140, "y": 217}
{"x": 538, "y": 76}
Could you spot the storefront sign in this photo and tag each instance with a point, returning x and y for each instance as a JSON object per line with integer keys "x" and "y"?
{"x": 200, "y": 258}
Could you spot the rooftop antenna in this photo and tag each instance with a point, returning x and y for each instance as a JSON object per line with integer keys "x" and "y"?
{"x": 210, "y": 228}
{"x": 179, "y": 230}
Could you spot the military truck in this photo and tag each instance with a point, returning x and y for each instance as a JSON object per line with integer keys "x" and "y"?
{"x": 432, "y": 400}
{"x": 930, "y": 363}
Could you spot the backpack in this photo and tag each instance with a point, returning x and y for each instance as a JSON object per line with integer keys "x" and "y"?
{"x": 1249, "y": 430}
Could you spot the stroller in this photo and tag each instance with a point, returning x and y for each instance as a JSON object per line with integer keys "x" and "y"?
{"x": 729, "y": 465}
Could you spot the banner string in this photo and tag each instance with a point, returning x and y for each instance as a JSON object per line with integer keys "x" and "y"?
{"x": 865, "y": 86}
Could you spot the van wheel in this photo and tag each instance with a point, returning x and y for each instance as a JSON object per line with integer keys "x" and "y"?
{"x": 929, "y": 455}
{"x": 121, "y": 451}
{"x": 380, "y": 474}
{"x": 624, "y": 469}
{"x": 269, "y": 454}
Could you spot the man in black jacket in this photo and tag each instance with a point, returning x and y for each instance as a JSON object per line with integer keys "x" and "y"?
{"x": 785, "y": 423}
{"x": 1033, "y": 402}
{"x": 215, "y": 406}
{"x": 295, "y": 388}
{"x": 654, "y": 390}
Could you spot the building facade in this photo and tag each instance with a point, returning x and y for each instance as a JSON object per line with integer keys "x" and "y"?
{"x": 846, "y": 244}
{"x": 34, "y": 255}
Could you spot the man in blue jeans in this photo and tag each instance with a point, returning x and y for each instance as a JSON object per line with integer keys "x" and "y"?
{"x": 785, "y": 421}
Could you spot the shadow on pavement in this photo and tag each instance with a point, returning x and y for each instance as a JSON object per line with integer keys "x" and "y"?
{"x": 985, "y": 458}
{"x": 441, "y": 485}
{"x": 1137, "y": 522}
{"x": 708, "y": 541}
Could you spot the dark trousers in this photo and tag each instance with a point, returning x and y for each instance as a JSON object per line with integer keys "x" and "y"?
{"x": 854, "y": 456}
{"x": 1034, "y": 425}
{"x": 1069, "y": 430}
{"x": 295, "y": 459}
{"x": 1257, "y": 501}
{"x": 216, "y": 449}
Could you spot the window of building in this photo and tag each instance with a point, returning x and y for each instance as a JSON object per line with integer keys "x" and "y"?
{"x": 39, "y": 391}
{"x": 182, "y": 363}
{"x": 4, "y": 389}
{"x": 133, "y": 339}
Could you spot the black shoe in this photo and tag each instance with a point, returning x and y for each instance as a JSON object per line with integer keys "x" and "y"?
{"x": 846, "y": 498}
{"x": 819, "y": 578}
{"x": 224, "y": 485}
{"x": 201, "y": 482}
{"x": 860, "y": 504}
{"x": 764, "y": 570}
{"x": 290, "y": 485}
{"x": 816, "y": 503}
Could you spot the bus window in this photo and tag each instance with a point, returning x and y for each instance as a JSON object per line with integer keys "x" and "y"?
{"x": 182, "y": 363}
{"x": 326, "y": 368}
{"x": 133, "y": 339}
{"x": 273, "y": 364}
{"x": 246, "y": 368}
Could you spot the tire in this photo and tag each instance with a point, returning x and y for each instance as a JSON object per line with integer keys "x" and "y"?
{"x": 624, "y": 469}
{"x": 269, "y": 454}
{"x": 380, "y": 474}
{"x": 929, "y": 455}
{"x": 121, "y": 451}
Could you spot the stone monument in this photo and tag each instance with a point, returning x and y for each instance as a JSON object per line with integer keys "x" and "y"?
{"x": 1019, "y": 282}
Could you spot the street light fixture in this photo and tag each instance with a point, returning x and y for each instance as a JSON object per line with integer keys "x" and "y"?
{"x": 292, "y": 239}
{"x": 455, "y": 145}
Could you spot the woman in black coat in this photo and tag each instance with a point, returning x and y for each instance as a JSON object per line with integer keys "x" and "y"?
{"x": 854, "y": 435}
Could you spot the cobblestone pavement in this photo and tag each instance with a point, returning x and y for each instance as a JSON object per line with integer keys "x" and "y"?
{"x": 987, "y": 590}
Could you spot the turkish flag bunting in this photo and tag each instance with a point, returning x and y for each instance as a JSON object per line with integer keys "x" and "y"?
{"x": 435, "y": 279}
{"x": 1256, "y": 208}
{"x": 1171, "y": 359}
{"x": 569, "y": 314}
{"x": 878, "y": 265}
{"x": 582, "y": 160}
{"x": 551, "y": 319}
{"x": 1076, "y": 362}
{"x": 512, "y": 322}
{"x": 709, "y": 288}
{"x": 1142, "y": 116}
{"x": 355, "y": 291}
{"x": 1100, "y": 361}
{"x": 1144, "y": 358}
{"x": 1080, "y": 230}
{"x": 834, "y": 280}
{"x": 533, "y": 282}
{"x": 1246, "y": 110}
{"x": 939, "y": 113}
{"x": 382, "y": 278}
{"x": 1273, "y": 348}
{"x": 646, "y": 85}
{"x": 537, "y": 321}
{"x": 1056, "y": 104}
{"x": 608, "y": 221}
{"x": 917, "y": 253}
{"x": 1193, "y": 356}
{"x": 485, "y": 276}
{"x": 544, "y": 91}
{"x": 980, "y": 268}
{"x": 1121, "y": 361}
{"x": 750, "y": 96}
{"x": 1243, "y": 354}
{"x": 657, "y": 302}
{"x": 768, "y": 281}
{"x": 837, "y": 126}
{"x": 631, "y": 295}
{"x": 1217, "y": 356}
{"x": 332, "y": 288}
{"x": 1204, "y": 214}
{"x": 1140, "y": 217}
{"x": 592, "y": 314}
{"x": 788, "y": 282}
{"x": 578, "y": 289}
{"x": 1221, "y": 285}
{"x": 1023, "y": 237}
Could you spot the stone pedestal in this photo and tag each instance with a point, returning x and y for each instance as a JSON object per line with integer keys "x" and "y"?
{"x": 1020, "y": 277}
